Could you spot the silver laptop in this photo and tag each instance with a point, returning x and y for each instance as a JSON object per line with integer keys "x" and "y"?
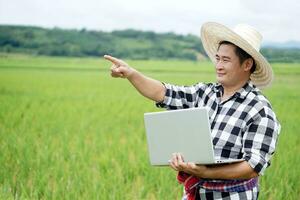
{"x": 186, "y": 131}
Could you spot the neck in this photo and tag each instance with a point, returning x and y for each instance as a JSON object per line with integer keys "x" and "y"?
{"x": 229, "y": 90}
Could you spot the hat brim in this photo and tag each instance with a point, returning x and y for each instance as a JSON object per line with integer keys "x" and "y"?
{"x": 213, "y": 33}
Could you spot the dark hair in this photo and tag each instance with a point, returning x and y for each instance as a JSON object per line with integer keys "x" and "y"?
{"x": 243, "y": 55}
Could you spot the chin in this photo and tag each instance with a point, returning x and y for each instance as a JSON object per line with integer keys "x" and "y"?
{"x": 220, "y": 80}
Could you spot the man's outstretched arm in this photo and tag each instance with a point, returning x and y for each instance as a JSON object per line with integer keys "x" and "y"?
{"x": 148, "y": 87}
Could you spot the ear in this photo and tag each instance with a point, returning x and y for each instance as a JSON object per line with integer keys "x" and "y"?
{"x": 248, "y": 64}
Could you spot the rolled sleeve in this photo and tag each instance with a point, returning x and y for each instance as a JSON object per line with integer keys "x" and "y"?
{"x": 259, "y": 142}
{"x": 178, "y": 97}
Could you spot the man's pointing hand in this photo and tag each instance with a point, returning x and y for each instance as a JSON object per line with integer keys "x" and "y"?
{"x": 119, "y": 67}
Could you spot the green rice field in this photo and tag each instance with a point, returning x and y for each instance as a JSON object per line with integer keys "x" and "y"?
{"x": 70, "y": 131}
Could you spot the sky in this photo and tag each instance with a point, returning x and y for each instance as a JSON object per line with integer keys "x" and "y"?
{"x": 276, "y": 20}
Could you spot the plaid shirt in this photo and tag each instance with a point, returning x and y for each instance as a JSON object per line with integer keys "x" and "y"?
{"x": 243, "y": 126}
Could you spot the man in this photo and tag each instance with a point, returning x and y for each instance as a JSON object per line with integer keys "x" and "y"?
{"x": 242, "y": 121}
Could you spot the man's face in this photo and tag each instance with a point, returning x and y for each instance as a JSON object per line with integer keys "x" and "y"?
{"x": 229, "y": 71}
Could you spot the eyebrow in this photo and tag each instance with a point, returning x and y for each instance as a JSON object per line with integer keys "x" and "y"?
{"x": 224, "y": 57}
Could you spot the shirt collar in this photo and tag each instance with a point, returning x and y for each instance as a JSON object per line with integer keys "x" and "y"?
{"x": 218, "y": 88}
{"x": 241, "y": 93}
{"x": 244, "y": 91}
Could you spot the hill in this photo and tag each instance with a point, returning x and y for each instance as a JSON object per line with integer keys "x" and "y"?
{"x": 128, "y": 43}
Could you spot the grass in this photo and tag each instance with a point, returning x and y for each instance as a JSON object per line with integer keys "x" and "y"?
{"x": 70, "y": 131}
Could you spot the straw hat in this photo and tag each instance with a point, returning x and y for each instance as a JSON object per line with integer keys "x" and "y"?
{"x": 243, "y": 36}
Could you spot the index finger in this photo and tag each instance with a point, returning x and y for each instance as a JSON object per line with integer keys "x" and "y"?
{"x": 112, "y": 59}
{"x": 180, "y": 156}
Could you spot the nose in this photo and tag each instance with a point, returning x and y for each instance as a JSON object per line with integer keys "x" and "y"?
{"x": 219, "y": 65}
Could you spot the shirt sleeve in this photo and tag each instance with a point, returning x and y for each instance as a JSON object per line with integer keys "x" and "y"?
{"x": 179, "y": 97}
{"x": 259, "y": 141}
